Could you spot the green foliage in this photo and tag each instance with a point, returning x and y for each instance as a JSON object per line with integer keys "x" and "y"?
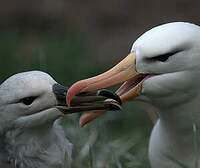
{"x": 177, "y": 162}
{"x": 64, "y": 56}
{"x": 115, "y": 139}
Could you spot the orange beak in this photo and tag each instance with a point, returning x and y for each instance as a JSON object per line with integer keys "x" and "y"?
{"x": 122, "y": 72}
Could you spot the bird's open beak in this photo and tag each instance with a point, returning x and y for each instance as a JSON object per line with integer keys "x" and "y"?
{"x": 123, "y": 72}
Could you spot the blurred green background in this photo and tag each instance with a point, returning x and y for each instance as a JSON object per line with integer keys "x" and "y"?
{"x": 76, "y": 39}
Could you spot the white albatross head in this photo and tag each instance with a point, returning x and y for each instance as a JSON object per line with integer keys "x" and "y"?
{"x": 172, "y": 53}
{"x": 34, "y": 99}
{"x": 162, "y": 69}
{"x": 27, "y": 100}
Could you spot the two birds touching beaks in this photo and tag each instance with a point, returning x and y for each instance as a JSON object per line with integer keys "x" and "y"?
{"x": 162, "y": 69}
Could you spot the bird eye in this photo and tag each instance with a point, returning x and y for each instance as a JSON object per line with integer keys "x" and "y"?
{"x": 163, "y": 57}
{"x": 28, "y": 100}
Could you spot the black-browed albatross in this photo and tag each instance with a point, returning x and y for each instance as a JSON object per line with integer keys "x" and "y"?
{"x": 163, "y": 69}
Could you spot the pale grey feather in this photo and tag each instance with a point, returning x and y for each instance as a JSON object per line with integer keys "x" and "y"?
{"x": 30, "y": 137}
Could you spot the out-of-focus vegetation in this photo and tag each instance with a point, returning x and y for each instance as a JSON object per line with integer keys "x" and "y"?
{"x": 64, "y": 56}
{"x": 72, "y": 40}
{"x": 113, "y": 139}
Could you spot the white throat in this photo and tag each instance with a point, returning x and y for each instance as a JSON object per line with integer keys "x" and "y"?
{"x": 173, "y": 135}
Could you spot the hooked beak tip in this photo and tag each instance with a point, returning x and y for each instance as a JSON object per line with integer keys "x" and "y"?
{"x": 74, "y": 90}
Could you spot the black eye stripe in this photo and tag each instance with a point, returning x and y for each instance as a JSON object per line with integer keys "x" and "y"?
{"x": 163, "y": 57}
{"x": 28, "y": 100}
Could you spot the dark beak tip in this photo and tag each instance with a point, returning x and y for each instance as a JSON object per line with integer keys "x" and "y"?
{"x": 60, "y": 92}
{"x": 110, "y": 94}
{"x": 113, "y": 106}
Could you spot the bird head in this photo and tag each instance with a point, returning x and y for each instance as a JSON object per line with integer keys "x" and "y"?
{"x": 34, "y": 98}
{"x": 162, "y": 69}
{"x": 27, "y": 100}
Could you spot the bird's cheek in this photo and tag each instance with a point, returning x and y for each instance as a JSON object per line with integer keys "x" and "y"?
{"x": 151, "y": 88}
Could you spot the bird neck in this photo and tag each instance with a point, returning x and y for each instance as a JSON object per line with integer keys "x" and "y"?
{"x": 174, "y": 134}
{"x": 4, "y": 157}
{"x": 181, "y": 116}
{"x": 44, "y": 147}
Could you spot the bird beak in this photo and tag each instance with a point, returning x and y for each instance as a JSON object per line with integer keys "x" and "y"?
{"x": 87, "y": 101}
{"x": 123, "y": 72}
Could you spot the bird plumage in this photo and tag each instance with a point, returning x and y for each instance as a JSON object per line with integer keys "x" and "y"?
{"x": 30, "y": 136}
{"x": 174, "y": 92}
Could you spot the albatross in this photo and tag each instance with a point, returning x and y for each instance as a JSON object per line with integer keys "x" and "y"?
{"x": 30, "y": 105}
{"x": 162, "y": 69}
